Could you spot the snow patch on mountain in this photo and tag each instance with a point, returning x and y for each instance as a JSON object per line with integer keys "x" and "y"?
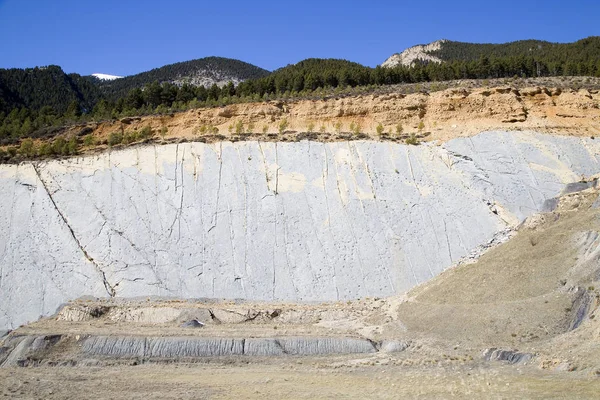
{"x": 106, "y": 77}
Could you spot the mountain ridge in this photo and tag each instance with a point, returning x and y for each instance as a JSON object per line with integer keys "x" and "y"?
{"x": 445, "y": 50}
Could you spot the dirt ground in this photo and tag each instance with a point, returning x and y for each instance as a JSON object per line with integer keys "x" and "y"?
{"x": 300, "y": 378}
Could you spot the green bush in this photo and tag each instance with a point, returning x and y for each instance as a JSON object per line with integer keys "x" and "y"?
{"x": 379, "y": 129}
{"x": 88, "y": 140}
{"x": 128, "y": 137}
{"x": 412, "y": 140}
{"x": 145, "y": 133}
{"x": 283, "y": 125}
{"x": 239, "y": 127}
{"x": 72, "y": 147}
{"x": 27, "y": 148}
{"x": 45, "y": 150}
{"x": 399, "y": 129}
{"x": 115, "y": 138}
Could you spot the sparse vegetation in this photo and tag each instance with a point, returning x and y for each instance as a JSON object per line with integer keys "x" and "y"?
{"x": 399, "y": 129}
{"x": 412, "y": 140}
{"x": 239, "y": 127}
{"x": 283, "y": 125}
{"x": 379, "y": 129}
{"x": 338, "y": 127}
{"x": 115, "y": 138}
{"x": 27, "y": 148}
{"x": 89, "y": 140}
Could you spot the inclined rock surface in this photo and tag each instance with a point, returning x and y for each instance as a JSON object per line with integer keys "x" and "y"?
{"x": 305, "y": 221}
{"x": 174, "y": 347}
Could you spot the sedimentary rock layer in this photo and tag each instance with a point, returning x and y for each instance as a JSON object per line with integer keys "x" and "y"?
{"x": 305, "y": 221}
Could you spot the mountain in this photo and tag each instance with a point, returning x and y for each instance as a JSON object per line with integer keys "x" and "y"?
{"x": 309, "y": 74}
{"x": 35, "y": 88}
{"x": 201, "y": 72}
{"x": 581, "y": 51}
{"x": 412, "y": 55}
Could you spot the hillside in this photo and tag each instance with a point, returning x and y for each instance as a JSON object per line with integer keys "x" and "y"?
{"x": 583, "y": 51}
{"x": 36, "y": 88}
{"x": 398, "y": 114}
{"x": 201, "y": 72}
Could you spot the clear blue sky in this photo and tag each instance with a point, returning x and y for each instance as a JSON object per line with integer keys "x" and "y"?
{"x": 130, "y": 36}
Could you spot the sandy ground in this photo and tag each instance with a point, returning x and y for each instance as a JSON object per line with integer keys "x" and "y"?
{"x": 296, "y": 379}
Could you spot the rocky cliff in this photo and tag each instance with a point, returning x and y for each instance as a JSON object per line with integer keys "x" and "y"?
{"x": 419, "y": 53}
{"x": 435, "y": 116}
{"x": 305, "y": 221}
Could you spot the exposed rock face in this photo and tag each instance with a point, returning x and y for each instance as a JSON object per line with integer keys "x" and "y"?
{"x": 174, "y": 347}
{"x": 306, "y": 221}
{"x": 413, "y": 54}
{"x": 445, "y": 115}
{"x": 511, "y": 356}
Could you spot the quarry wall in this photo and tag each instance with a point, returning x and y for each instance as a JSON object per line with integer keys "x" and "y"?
{"x": 305, "y": 221}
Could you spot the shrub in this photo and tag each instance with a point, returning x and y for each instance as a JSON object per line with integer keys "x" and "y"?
{"x": 412, "y": 140}
{"x": 88, "y": 140}
{"x": 145, "y": 133}
{"x": 250, "y": 127}
{"x": 311, "y": 126}
{"x": 201, "y": 130}
{"x": 45, "y": 150}
{"x": 283, "y": 125}
{"x": 338, "y": 127}
{"x": 239, "y": 127}
{"x": 163, "y": 132}
{"x": 322, "y": 129}
{"x": 399, "y": 129}
{"x": 27, "y": 148}
{"x": 379, "y": 129}
{"x": 59, "y": 146}
{"x": 265, "y": 128}
{"x": 129, "y": 137}
{"x": 72, "y": 146}
{"x": 421, "y": 125}
{"x": 115, "y": 138}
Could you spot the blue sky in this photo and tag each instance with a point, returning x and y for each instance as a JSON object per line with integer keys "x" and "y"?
{"x": 129, "y": 36}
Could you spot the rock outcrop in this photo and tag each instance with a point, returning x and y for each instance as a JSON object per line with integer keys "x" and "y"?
{"x": 419, "y": 53}
{"x": 307, "y": 221}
